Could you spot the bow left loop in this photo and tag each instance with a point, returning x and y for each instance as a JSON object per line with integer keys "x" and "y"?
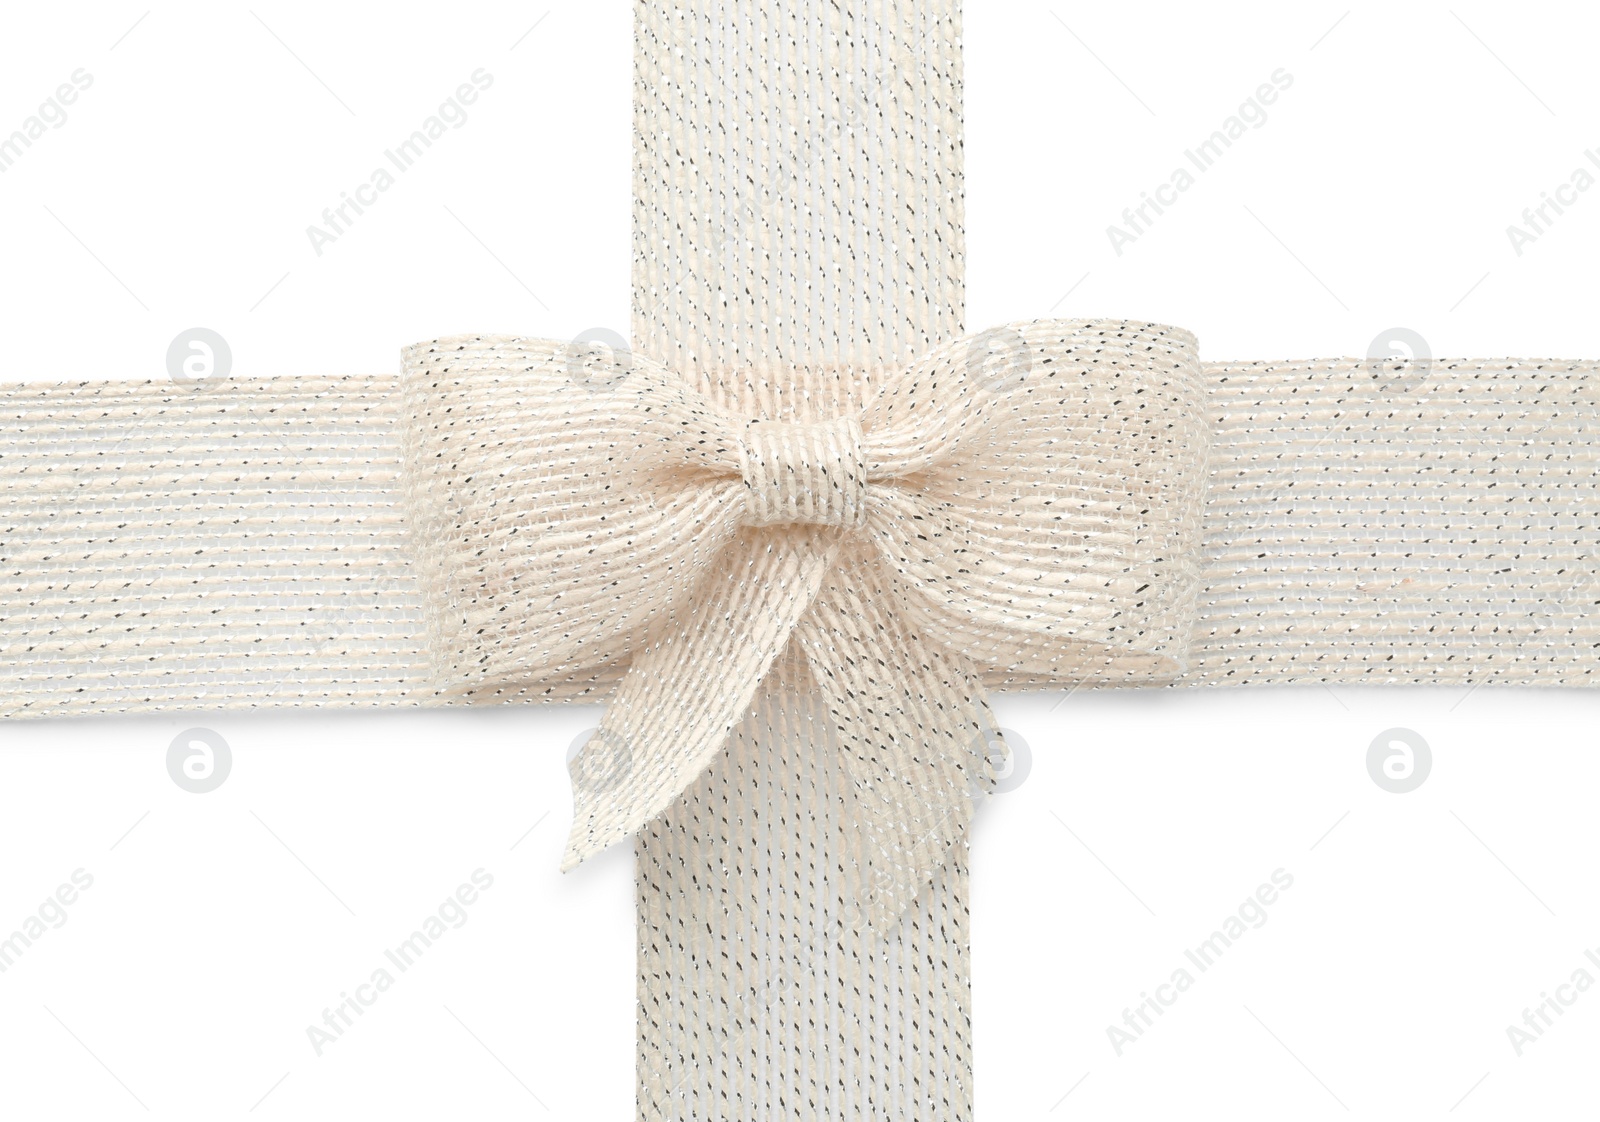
{"x": 565, "y": 499}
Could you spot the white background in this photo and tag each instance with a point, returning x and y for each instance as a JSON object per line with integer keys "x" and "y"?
{"x": 220, "y": 926}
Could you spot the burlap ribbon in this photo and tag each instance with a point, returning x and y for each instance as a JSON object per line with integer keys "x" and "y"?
{"x": 792, "y": 553}
{"x": 1024, "y": 502}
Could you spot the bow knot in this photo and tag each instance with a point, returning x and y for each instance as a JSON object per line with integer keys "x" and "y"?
{"x": 804, "y": 473}
{"x": 1026, "y": 519}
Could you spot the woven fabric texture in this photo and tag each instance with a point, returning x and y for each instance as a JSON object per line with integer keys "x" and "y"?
{"x": 1437, "y": 525}
{"x": 764, "y": 990}
{"x": 221, "y": 546}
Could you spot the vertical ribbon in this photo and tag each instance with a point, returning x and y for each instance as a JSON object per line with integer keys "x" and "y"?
{"x": 797, "y": 225}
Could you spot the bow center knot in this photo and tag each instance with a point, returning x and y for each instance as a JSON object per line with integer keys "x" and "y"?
{"x": 804, "y": 473}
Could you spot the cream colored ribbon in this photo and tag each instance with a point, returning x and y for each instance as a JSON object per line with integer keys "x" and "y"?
{"x": 1023, "y": 502}
{"x": 787, "y": 524}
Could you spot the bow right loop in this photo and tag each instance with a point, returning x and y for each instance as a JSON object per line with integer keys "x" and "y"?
{"x": 1040, "y": 498}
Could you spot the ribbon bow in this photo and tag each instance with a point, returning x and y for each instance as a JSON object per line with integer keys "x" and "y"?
{"x": 1015, "y": 507}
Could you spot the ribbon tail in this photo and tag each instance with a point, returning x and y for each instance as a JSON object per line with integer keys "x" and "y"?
{"x": 914, "y": 733}
{"x": 682, "y": 696}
